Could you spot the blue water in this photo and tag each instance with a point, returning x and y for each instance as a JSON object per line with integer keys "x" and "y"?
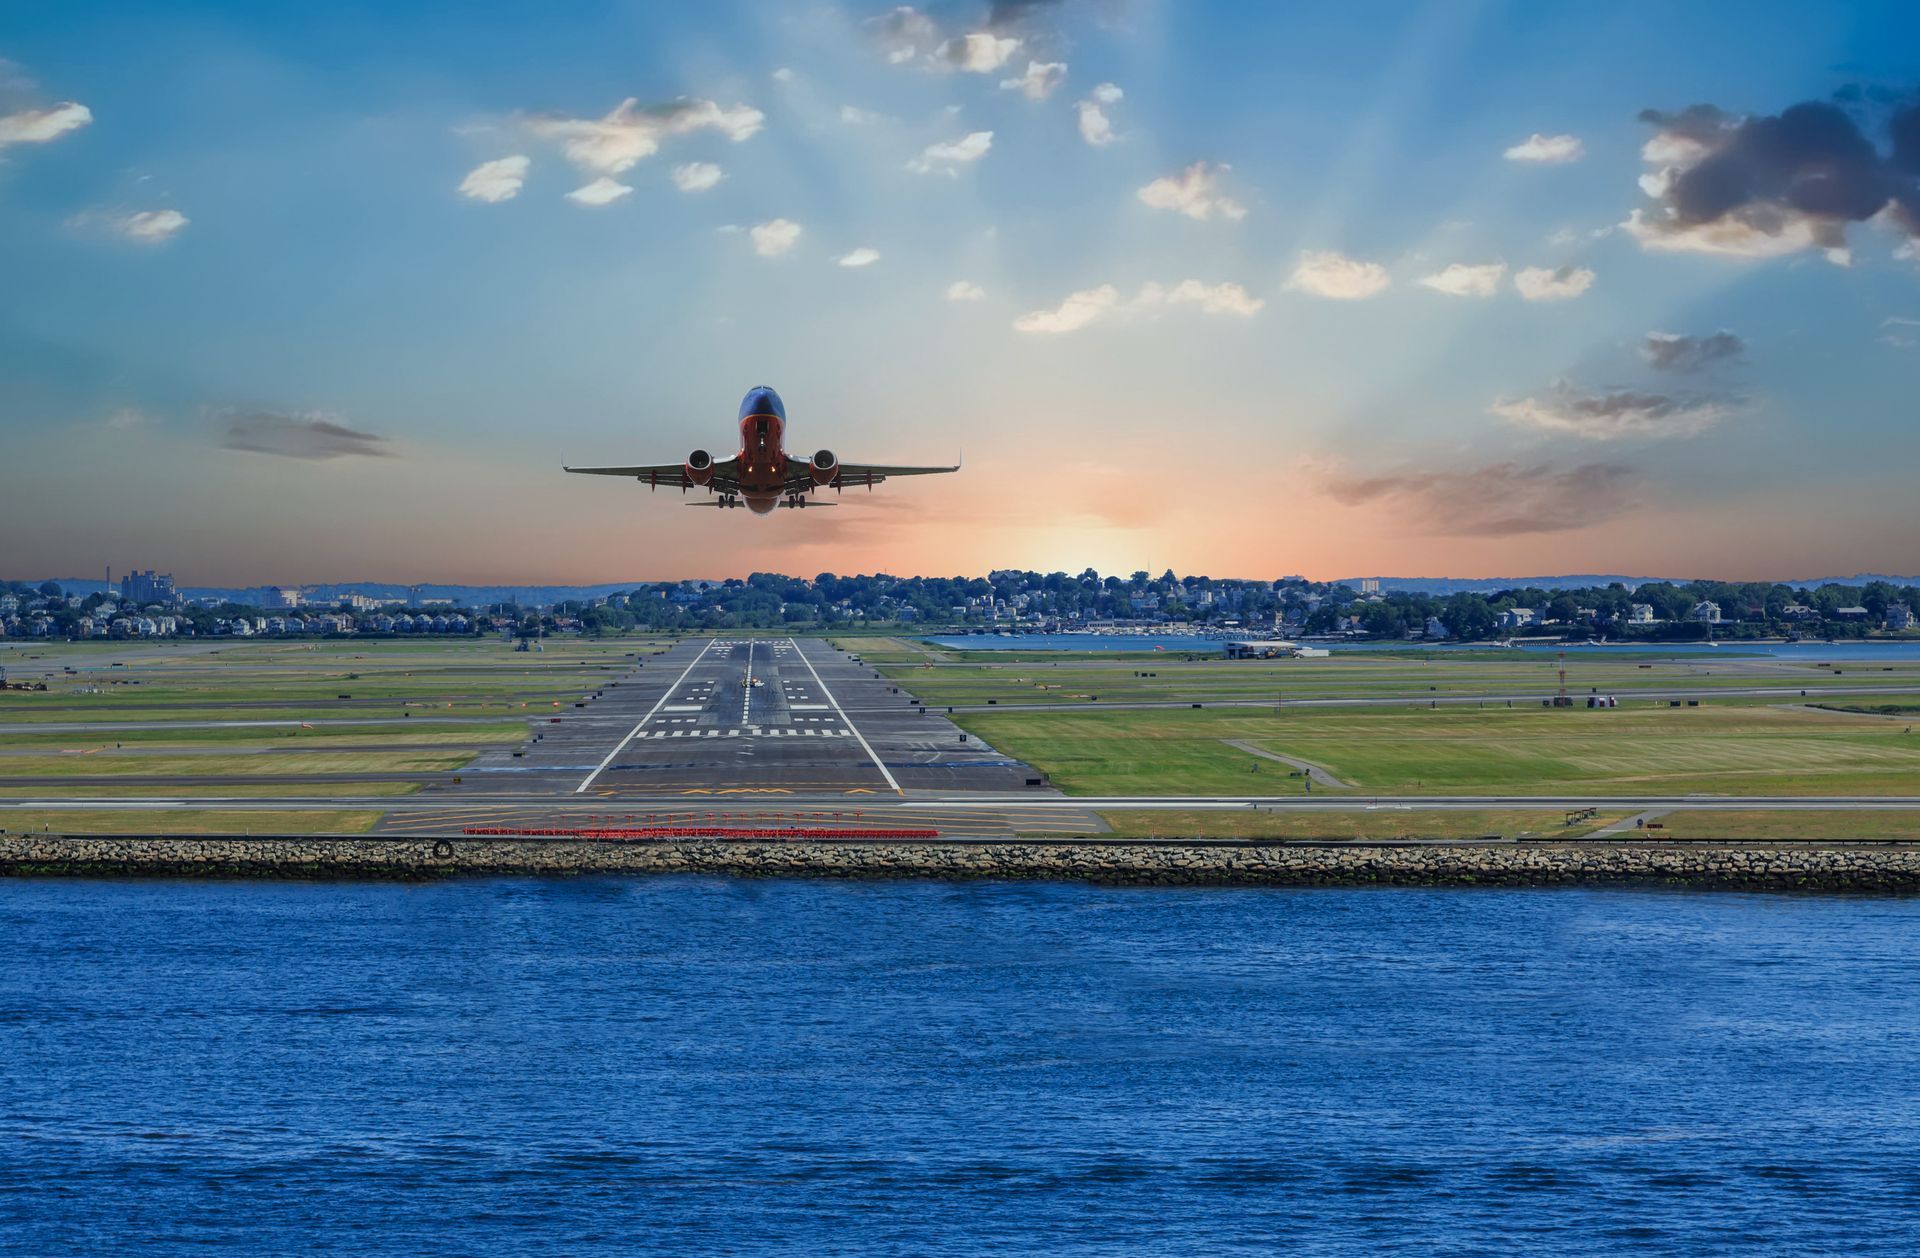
{"x": 682, "y": 1065}
{"x": 1889, "y": 649}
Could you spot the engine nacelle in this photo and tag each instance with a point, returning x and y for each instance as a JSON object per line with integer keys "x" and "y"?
{"x": 699, "y": 467}
{"x": 824, "y": 467}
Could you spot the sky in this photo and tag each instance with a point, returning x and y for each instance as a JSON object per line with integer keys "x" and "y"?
{"x": 295, "y": 292}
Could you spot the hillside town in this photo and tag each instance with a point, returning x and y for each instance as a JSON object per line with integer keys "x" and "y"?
{"x": 151, "y": 605}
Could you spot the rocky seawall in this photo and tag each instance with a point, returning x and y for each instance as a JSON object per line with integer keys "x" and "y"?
{"x": 1808, "y": 865}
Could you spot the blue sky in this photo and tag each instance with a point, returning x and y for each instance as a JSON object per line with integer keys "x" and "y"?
{"x": 257, "y": 240}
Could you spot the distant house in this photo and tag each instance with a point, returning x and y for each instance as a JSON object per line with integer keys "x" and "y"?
{"x": 1899, "y": 617}
{"x": 1516, "y": 617}
{"x": 1705, "y": 612}
{"x": 1640, "y": 614}
{"x": 1850, "y": 613}
{"x": 1435, "y": 629}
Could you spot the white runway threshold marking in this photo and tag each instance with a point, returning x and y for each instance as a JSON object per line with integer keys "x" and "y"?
{"x": 851, "y": 727}
{"x": 660, "y": 703}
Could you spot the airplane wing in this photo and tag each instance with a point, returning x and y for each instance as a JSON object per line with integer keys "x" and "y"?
{"x": 870, "y": 474}
{"x": 668, "y": 475}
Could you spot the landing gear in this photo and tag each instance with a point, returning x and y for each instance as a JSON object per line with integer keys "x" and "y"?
{"x": 797, "y": 500}
{"x": 729, "y": 500}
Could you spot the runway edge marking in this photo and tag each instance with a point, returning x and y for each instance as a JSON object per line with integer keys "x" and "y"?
{"x": 665, "y": 695}
{"x": 864, "y": 745}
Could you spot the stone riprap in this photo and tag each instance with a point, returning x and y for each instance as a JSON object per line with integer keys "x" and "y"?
{"x": 1807, "y": 865}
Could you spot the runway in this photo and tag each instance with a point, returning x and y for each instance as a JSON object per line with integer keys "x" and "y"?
{"x": 741, "y": 725}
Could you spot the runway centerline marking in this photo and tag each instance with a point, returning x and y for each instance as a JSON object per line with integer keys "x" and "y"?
{"x": 851, "y": 727}
{"x": 746, "y": 691}
{"x": 660, "y": 703}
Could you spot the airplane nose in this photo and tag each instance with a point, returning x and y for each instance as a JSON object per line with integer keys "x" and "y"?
{"x": 761, "y": 400}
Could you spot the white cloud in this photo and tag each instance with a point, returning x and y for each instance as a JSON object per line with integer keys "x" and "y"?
{"x": 774, "y": 237}
{"x": 1327, "y": 273}
{"x": 1462, "y": 280}
{"x": 602, "y": 191}
{"x": 1095, "y": 127}
{"x": 1537, "y": 283}
{"x": 981, "y": 52}
{"x": 1900, "y": 332}
{"x": 697, "y": 176}
{"x": 130, "y": 418}
{"x": 947, "y": 158}
{"x": 965, "y": 290}
{"x": 1041, "y": 78}
{"x": 1548, "y": 150}
{"x": 1225, "y": 298}
{"x": 39, "y": 126}
{"x": 1093, "y": 304}
{"x": 1076, "y": 312}
{"x": 1194, "y": 192}
{"x": 1729, "y": 236}
{"x": 497, "y": 180}
{"x": 854, "y": 116}
{"x": 863, "y": 256}
{"x": 783, "y": 75}
{"x": 611, "y": 145}
{"x": 152, "y": 227}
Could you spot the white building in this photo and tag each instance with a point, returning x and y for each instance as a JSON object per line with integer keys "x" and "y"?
{"x": 1705, "y": 612}
{"x": 1640, "y": 614}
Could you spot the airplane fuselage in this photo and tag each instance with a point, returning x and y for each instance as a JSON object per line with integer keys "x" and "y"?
{"x": 763, "y": 452}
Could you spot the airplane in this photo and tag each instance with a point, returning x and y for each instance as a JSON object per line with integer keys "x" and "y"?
{"x": 762, "y": 475}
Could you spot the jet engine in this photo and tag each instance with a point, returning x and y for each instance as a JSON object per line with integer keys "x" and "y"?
{"x": 699, "y": 467}
{"x": 824, "y": 467}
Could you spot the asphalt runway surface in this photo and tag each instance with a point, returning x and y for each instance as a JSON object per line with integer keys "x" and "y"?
{"x": 745, "y": 724}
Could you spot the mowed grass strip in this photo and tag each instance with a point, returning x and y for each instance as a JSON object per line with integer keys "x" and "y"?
{"x": 1755, "y": 750}
{"x": 1383, "y": 823}
{"x": 1072, "y": 681}
{"x": 1797, "y": 824}
{"x": 189, "y": 821}
{"x": 255, "y": 737}
{"x": 305, "y": 790}
{"x": 232, "y": 765}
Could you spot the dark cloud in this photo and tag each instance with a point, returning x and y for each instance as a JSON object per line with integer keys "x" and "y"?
{"x": 1503, "y": 500}
{"x": 1672, "y": 351}
{"x": 1005, "y": 13}
{"x": 1614, "y": 414}
{"x": 1773, "y": 184}
{"x": 298, "y": 437}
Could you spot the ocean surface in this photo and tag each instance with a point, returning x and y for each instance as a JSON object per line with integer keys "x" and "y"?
{"x": 697, "y": 1065}
{"x": 1888, "y": 649}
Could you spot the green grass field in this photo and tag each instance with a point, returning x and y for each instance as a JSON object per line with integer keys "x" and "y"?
{"x": 235, "y": 708}
{"x": 1748, "y": 749}
{"x": 186, "y": 821}
{"x": 1383, "y": 823}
